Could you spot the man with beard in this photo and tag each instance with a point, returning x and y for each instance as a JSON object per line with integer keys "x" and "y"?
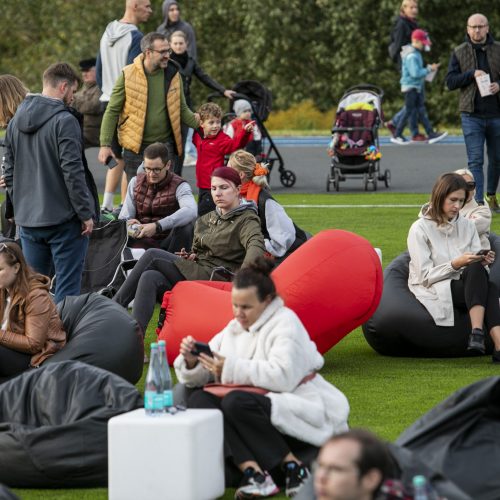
{"x": 149, "y": 105}
{"x": 476, "y": 57}
{"x": 45, "y": 178}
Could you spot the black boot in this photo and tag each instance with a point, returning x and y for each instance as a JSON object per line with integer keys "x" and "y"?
{"x": 476, "y": 341}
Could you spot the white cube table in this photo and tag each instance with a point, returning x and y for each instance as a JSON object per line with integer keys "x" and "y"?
{"x": 178, "y": 457}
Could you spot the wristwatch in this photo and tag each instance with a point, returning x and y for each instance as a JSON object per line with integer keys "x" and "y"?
{"x": 159, "y": 229}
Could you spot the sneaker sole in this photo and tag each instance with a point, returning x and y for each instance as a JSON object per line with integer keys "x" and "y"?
{"x": 437, "y": 139}
{"x": 399, "y": 143}
{"x": 249, "y": 496}
{"x": 473, "y": 346}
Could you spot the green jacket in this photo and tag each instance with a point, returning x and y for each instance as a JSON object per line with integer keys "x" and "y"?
{"x": 230, "y": 240}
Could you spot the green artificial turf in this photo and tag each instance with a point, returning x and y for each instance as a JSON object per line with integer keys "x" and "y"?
{"x": 386, "y": 394}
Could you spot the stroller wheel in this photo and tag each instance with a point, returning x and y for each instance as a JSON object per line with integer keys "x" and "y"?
{"x": 336, "y": 180}
{"x": 365, "y": 181}
{"x": 387, "y": 178}
{"x": 328, "y": 182}
{"x": 287, "y": 178}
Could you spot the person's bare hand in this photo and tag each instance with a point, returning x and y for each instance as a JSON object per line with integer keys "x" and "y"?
{"x": 197, "y": 118}
{"x": 104, "y": 153}
{"x": 147, "y": 230}
{"x": 2, "y": 182}
{"x": 494, "y": 88}
{"x": 187, "y": 345}
{"x": 479, "y": 72}
{"x": 466, "y": 259}
{"x": 489, "y": 258}
{"x": 133, "y": 221}
{"x": 249, "y": 126}
{"x": 213, "y": 365}
{"x": 229, "y": 94}
{"x": 87, "y": 226}
{"x": 435, "y": 66}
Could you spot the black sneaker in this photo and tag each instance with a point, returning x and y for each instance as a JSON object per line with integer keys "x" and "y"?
{"x": 495, "y": 357}
{"x": 296, "y": 474}
{"x": 476, "y": 341}
{"x": 255, "y": 485}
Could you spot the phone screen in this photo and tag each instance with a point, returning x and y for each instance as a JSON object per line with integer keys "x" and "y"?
{"x": 200, "y": 347}
{"x": 111, "y": 162}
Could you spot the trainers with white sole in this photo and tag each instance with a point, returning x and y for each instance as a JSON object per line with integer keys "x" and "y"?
{"x": 402, "y": 141}
{"x": 436, "y": 136}
{"x": 256, "y": 485}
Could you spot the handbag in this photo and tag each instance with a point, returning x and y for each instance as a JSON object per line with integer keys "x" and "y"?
{"x": 221, "y": 390}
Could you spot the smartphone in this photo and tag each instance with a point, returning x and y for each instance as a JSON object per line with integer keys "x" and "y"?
{"x": 111, "y": 162}
{"x": 200, "y": 347}
{"x": 482, "y": 252}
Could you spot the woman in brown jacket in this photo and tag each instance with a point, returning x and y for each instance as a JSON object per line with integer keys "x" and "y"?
{"x": 31, "y": 329}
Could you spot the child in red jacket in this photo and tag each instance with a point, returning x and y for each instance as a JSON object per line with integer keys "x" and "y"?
{"x": 212, "y": 145}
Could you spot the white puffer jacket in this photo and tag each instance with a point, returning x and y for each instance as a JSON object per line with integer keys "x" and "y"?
{"x": 276, "y": 354}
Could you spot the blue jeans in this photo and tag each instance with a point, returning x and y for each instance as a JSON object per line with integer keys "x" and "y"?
{"x": 59, "y": 248}
{"x": 422, "y": 117}
{"x": 477, "y": 131}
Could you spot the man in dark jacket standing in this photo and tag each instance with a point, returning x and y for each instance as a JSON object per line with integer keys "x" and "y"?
{"x": 45, "y": 178}
{"x": 478, "y": 56}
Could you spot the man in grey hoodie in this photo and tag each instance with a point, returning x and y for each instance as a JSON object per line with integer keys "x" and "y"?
{"x": 120, "y": 45}
{"x": 45, "y": 178}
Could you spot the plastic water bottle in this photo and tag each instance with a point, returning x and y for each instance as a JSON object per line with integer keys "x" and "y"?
{"x": 420, "y": 488}
{"x": 153, "y": 395}
{"x": 166, "y": 379}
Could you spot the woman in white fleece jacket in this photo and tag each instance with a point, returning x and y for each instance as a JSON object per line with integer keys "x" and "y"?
{"x": 447, "y": 266}
{"x": 265, "y": 346}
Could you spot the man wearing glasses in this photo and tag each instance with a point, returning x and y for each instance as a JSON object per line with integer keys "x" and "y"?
{"x": 469, "y": 64}
{"x": 159, "y": 207}
{"x": 148, "y": 104}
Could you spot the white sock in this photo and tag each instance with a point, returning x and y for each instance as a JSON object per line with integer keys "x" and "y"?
{"x": 107, "y": 200}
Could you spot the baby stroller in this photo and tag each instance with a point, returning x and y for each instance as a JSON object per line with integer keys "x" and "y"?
{"x": 355, "y": 143}
{"x": 260, "y": 98}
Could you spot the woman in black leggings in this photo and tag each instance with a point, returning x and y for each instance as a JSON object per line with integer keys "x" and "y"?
{"x": 448, "y": 265}
{"x": 228, "y": 237}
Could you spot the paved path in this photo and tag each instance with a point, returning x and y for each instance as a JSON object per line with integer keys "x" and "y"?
{"x": 414, "y": 167}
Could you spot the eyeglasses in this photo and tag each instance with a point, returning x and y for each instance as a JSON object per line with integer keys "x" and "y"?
{"x": 153, "y": 170}
{"x": 477, "y": 26}
{"x": 165, "y": 52}
{"x": 471, "y": 185}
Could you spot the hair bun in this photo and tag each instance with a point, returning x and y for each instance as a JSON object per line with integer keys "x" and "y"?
{"x": 262, "y": 265}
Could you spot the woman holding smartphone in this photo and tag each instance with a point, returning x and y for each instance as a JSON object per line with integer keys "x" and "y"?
{"x": 448, "y": 266}
{"x": 265, "y": 346}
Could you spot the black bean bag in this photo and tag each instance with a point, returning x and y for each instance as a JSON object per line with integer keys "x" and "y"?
{"x": 53, "y": 430}
{"x": 460, "y": 438}
{"x": 401, "y": 326}
{"x": 103, "y": 334}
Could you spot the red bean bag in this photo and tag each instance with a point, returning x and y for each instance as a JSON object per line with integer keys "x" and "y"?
{"x": 333, "y": 282}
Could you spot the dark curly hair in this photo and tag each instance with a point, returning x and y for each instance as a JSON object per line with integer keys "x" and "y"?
{"x": 257, "y": 274}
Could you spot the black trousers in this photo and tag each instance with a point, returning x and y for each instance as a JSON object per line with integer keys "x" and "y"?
{"x": 205, "y": 202}
{"x": 154, "y": 274}
{"x": 248, "y": 431}
{"x": 13, "y": 362}
{"x": 474, "y": 289}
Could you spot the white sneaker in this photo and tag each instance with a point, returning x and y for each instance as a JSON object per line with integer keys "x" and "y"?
{"x": 256, "y": 485}
{"x": 189, "y": 161}
{"x": 402, "y": 141}
{"x": 436, "y": 136}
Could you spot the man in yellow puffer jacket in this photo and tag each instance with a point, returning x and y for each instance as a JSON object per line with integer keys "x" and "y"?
{"x": 147, "y": 104}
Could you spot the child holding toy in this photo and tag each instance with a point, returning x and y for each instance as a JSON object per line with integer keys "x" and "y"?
{"x": 212, "y": 144}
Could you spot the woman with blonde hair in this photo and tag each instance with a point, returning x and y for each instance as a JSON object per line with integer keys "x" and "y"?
{"x": 281, "y": 235}
{"x": 12, "y": 93}
{"x": 479, "y": 214}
